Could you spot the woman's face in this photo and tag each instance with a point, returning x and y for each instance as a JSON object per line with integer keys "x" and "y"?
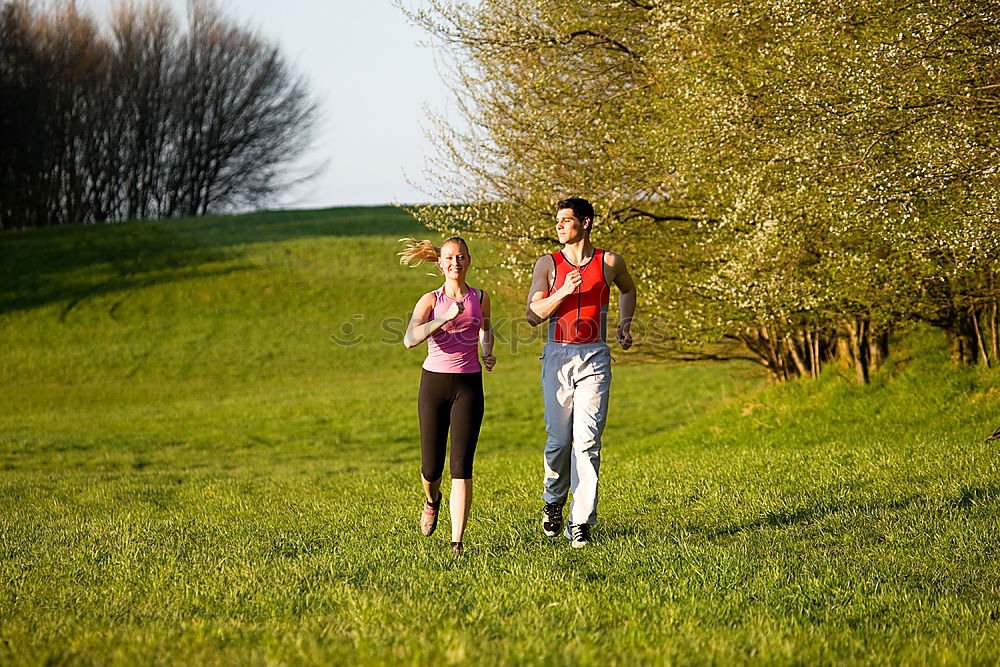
{"x": 454, "y": 261}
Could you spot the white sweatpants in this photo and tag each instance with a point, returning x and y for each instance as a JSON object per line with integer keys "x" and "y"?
{"x": 576, "y": 380}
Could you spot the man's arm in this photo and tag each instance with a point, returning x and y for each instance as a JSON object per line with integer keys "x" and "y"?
{"x": 626, "y": 299}
{"x": 541, "y": 307}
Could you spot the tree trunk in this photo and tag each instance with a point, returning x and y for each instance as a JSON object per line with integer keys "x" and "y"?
{"x": 774, "y": 351}
{"x": 857, "y": 332}
{"x": 963, "y": 346}
{"x": 878, "y": 350}
{"x": 864, "y": 340}
{"x": 815, "y": 354}
{"x": 753, "y": 344}
{"x": 804, "y": 338}
{"x": 993, "y": 332}
{"x": 984, "y": 359}
{"x": 993, "y": 323}
{"x": 955, "y": 355}
{"x": 843, "y": 353}
{"x": 793, "y": 351}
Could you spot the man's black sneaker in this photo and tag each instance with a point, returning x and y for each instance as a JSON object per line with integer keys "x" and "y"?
{"x": 578, "y": 534}
{"x": 552, "y": 519}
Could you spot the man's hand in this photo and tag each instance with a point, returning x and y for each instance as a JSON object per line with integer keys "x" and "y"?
{"x": 572, "y": 282}
{"x": 623, "y": 336}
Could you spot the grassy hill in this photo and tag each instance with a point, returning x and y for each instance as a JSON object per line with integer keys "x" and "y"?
{"x": 208, "y": 454}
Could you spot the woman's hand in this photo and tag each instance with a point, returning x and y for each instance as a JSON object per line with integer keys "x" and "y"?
{"x": 489, "y": 361}
{"x": 454, "y": 310}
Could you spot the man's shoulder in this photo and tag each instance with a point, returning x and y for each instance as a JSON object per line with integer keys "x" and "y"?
{"x": 612, "y": 258}
{"x": 546, "y": 260}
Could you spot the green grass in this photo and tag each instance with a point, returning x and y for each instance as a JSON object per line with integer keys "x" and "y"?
{"x": 192, "y": 471}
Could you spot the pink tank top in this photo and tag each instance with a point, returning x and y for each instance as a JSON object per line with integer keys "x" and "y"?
{"x": 454, "y": 348}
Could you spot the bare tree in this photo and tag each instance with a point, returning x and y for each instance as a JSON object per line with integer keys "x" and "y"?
{"x": 239, "y": 116}
{"x": 145, "y": 64}
{"x": 22, "y": 151}
{"x": 156, "y": 119}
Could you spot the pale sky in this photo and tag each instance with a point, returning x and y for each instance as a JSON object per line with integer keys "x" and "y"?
{"x": 373, "y": 81}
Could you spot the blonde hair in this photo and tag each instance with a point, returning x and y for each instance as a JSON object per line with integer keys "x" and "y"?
{"x": 418, "y": 252}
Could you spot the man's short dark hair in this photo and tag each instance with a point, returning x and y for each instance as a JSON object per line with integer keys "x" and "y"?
{"x": 581, "y": 208}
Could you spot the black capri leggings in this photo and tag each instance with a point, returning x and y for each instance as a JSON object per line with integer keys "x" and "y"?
{"x": 455, "y": 400}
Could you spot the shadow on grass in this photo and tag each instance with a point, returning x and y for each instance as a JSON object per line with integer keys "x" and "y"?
{"x": 967, "y": 499}
{"x": 72, "y": 263}
{"x": 973, "y": 497}
{"x": 76, "y": 294}
{"x": 806, "y": 515}
{"x": 277, "y": 226}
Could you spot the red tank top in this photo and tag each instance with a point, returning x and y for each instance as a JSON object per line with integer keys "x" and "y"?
{"x": 582, "y": 317}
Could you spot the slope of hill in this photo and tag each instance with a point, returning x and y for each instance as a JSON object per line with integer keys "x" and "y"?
{"x": 209, "y": 452}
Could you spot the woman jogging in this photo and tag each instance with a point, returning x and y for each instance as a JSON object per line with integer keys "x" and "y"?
{"x": 454, "y": 320}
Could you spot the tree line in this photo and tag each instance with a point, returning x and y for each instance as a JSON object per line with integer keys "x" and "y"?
{"x": 800, "y": 177}
{"x": 152, "y": 117}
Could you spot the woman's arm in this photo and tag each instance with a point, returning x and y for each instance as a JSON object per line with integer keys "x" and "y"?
{"x": 421, "y": 325}
{"x": 486, "y": 335}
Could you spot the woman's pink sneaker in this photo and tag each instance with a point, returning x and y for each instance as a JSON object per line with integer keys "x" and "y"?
{"x": 429, "y": 517}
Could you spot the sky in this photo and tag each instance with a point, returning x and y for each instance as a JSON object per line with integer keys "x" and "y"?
{"x": 374, "y": 79}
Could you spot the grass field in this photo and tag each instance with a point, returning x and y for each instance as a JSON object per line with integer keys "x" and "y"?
{"x": 194, "y": 471}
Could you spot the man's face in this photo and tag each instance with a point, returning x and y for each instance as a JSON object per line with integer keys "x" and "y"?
{"x": 569, "y": 227}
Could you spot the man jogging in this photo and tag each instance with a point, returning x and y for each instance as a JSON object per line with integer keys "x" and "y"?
{"x": 571, "y": 289}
